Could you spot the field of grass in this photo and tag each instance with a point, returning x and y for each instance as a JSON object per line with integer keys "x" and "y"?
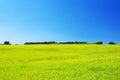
{"x": 60, "y": 62}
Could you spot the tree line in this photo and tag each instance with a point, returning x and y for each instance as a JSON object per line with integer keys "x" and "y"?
{"x": 69, "y": 42}
{"x": 54, "y": 42}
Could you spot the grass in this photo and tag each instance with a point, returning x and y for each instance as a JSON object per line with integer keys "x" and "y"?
{"x": 60, "y": 62}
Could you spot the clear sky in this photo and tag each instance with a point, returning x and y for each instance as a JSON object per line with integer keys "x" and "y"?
{"x": 59, "y": 20}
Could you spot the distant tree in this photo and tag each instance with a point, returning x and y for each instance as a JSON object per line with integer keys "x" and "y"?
{"x": 111, "y": 43}
{"x": 52, "y": 42}
{"x": 46, "y": 42}
{"x": 7, "y": 42}
{"x": 99, "y": 42}
{"x": 82, "y": 42}
{"x": 73, "y": 42}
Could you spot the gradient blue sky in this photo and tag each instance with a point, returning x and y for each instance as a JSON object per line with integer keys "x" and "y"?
{"x": 59, "y": 20}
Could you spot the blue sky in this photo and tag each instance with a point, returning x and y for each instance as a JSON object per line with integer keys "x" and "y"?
{"x": 59, "y": 20}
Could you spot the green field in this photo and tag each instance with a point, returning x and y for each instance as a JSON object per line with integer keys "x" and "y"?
{"x": 60, "y": 62}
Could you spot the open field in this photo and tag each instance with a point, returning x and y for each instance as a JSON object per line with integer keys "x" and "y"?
{"x": 60, "y": 62}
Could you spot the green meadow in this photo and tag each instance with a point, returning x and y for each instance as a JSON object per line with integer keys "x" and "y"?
{"x": 60, "y": 62}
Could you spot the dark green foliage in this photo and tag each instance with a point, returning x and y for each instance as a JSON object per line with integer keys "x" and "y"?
{"x": 99, "y": 42}
{"x": 75, "y": 42}
{"x": 49, "y": 42}
{"x": 53, "y": 42}
{"x": 6, "y": 42}
{"x": 66, "y": 42}
{"x": 81, "y": 42}
{"x": 111, "y": 43}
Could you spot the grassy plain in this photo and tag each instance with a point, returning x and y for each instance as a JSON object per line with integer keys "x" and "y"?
{"x": 60, "y": 62}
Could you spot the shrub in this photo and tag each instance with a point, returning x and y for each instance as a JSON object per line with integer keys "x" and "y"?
{"x": 6, "y": 42}
{"x": 111, "y": 43}
{"x": 47, "y": 42}
{"x": 99, "y": 42}
{"x": 82, "y": 42}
